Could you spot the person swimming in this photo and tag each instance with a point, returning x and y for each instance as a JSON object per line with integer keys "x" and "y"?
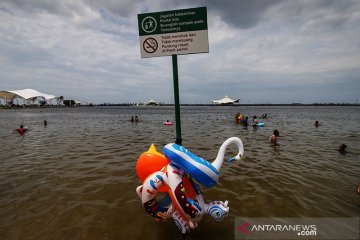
{"x": 274, "y": 137}
{"x": 317, "y": 123}
{"x": 21, "y": 129}
{"x": 168, "y": 122}
{"x": 342, "y": 148}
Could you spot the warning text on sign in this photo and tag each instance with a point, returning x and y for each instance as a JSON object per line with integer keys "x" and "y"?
{"x": 181, "y": 31}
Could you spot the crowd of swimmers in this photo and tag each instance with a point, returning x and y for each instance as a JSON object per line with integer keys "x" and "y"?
{"x": 136, "y": 119}
{"x": 239, "y": 118}
{"x": 244, "y": 120}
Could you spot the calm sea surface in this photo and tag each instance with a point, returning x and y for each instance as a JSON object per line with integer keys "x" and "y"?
{"x": 76, "y": 179}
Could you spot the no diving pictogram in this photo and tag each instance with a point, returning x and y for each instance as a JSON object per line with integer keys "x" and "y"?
{"x": 150, "y": 45}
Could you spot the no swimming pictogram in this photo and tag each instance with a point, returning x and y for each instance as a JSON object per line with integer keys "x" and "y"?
{"x": 150, "y": 45}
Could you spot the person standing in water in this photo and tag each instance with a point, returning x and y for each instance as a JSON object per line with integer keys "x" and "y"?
{"x": 255, "y": 121}
{"x": 244, "y": 122}
{"x": 342, "y": 148}
{"x": 21, "y": 129}
{"x": 273, "y": 138}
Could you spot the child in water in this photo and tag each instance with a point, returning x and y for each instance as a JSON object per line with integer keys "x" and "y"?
{"x": 273, "y": 138}
{"x": 238, "y": 117}
{"x": 244, "y": 122}
{"x": 255, "y": 121}
{"x": 342, "y": 148}
{"x": 21, "y": 129}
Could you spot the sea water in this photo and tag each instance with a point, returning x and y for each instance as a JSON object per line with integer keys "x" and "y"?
{"x": 75, "y": 177}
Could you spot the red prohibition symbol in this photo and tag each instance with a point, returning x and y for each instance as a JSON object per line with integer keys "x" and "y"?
{"x": 150, "y": 45}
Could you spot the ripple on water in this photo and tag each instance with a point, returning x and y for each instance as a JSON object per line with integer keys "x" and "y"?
{"x": 76, "y": 179}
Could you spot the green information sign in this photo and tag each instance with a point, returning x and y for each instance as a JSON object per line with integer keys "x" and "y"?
{"x": 183, "y": 20}
{"x": 182, "y": 31}
{"x": 170, "y": 33}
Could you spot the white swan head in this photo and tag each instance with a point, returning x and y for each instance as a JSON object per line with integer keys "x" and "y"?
{"x": 217, "y": 163}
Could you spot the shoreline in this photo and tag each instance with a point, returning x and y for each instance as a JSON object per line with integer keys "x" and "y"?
{"x": 190, "y": 104}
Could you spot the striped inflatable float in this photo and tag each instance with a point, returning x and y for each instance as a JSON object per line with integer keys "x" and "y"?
{"x": 204, "y": 172}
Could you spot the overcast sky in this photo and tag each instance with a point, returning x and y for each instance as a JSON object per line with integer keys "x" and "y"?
{"x": 261, "y": 51}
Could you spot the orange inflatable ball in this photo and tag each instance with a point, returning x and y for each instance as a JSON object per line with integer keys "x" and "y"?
{"x": 149, "y": 162}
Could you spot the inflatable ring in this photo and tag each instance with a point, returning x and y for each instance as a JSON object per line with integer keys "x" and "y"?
{"x": 185, "y": 195}
{"x": 207, "y": 174}
{"x": 147, "y": 193}
{"x": 183, "y": 201}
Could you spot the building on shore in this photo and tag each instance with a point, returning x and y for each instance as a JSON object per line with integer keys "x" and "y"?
{"x": 226, "y": 101}
{"x": 151, "y": 102}
{"x": 28, "y": 97}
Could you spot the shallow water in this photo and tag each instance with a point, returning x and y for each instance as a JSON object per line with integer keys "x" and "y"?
{"x": 76, "y": 179}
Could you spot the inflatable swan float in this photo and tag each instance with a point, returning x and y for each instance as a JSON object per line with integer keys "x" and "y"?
{"x": 174, "y": 173}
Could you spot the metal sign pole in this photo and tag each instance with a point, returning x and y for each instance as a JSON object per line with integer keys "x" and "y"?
{"x": 172, "y": 33}
{"x": 177, "y": 101}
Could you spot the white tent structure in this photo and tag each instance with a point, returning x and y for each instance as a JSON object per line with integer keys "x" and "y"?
{"x": 25, "y": 94}
{"x": 225, "y": 101}
{"x": 151, "y": 102}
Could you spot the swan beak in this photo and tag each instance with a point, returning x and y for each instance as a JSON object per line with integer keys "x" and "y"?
{"x": 237, "y": 158}
{"x": 231, "y": 160}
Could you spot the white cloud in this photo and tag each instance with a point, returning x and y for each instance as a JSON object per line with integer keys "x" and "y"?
{"x": 90, "y": 50}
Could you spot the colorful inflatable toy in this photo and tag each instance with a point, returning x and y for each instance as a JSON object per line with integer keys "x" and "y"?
{"x": 175, "y": 172}
{"x": 168, "y": 123}
{"x": 149, "y": 162}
